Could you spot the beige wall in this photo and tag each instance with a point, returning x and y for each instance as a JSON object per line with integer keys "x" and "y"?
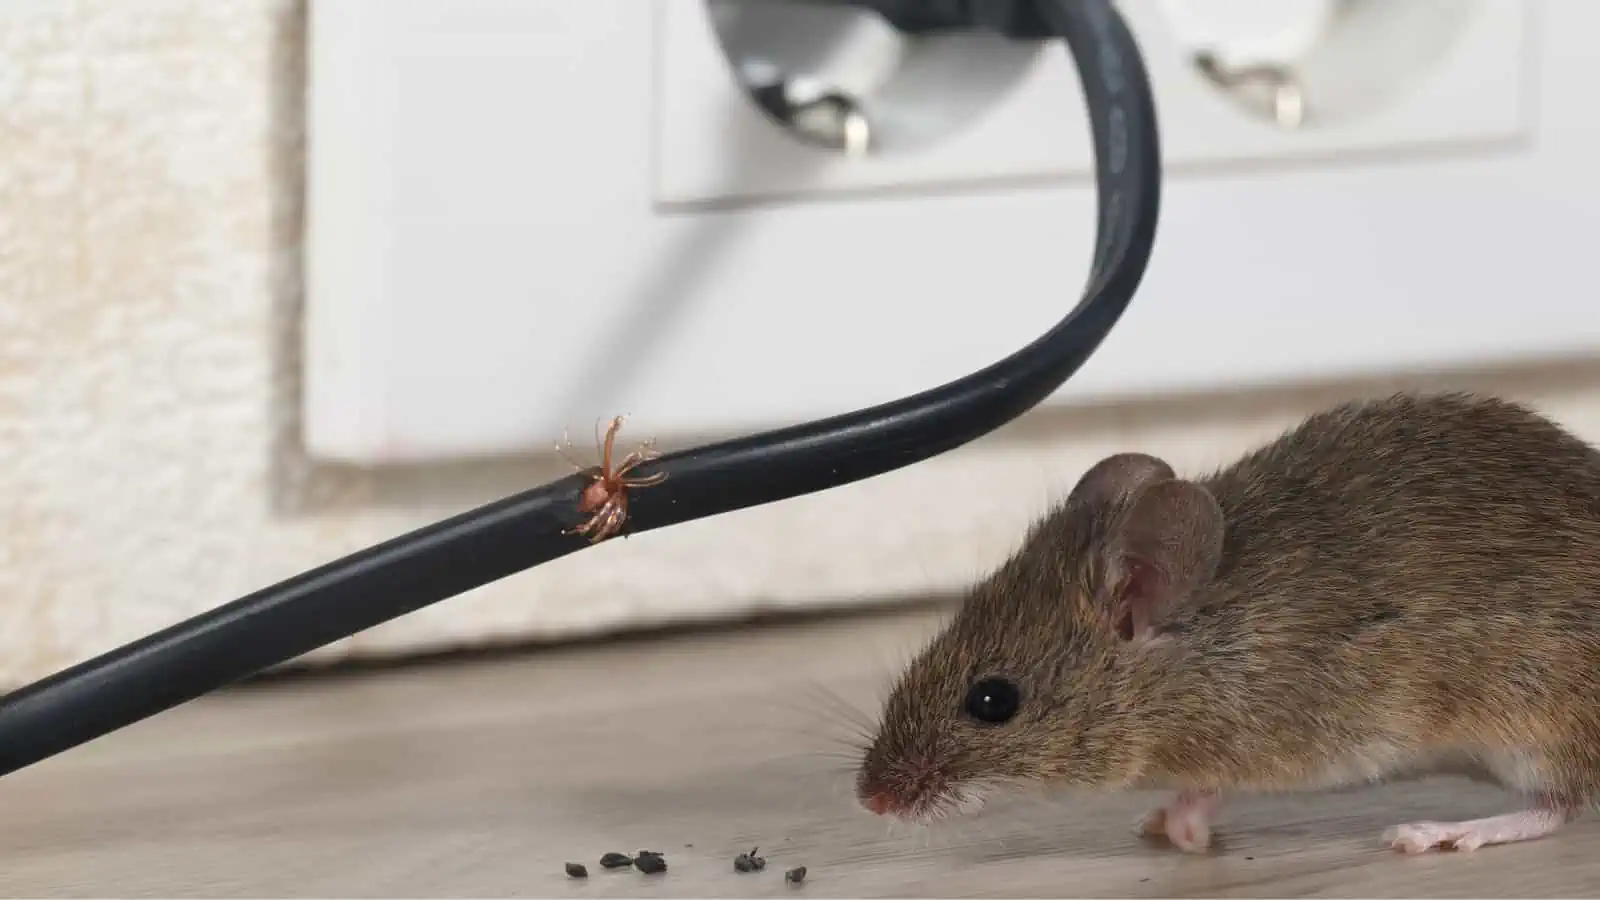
{"x": 150, "y": 185}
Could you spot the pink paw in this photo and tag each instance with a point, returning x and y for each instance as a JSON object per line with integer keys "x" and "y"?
{"x": 1421, "y": 837}
{"x": 1185, "y": 822}
{"x": 1464, "y": 837}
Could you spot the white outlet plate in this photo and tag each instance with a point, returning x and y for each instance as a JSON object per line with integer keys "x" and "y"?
{"x": 713, "y": 144}
{"x": 1449, "y": 72}
{"x": 489, "y": 263}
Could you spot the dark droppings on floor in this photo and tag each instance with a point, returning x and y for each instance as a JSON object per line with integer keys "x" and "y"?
{"x": 654, "y": 862}
{"x": 649, "y": 862}
{"x": 749, "y": 862}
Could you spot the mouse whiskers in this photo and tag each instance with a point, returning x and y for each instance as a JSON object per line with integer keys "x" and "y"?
{"x": 838, "y": 708}
{"x": 827, "y": 726}
{"x": 968, "y": 798}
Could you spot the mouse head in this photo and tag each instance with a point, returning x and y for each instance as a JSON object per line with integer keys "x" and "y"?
{"x": 1048, "y": 668}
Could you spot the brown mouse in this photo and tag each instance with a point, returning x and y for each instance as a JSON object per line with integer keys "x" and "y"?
{"x": 1394, "y": 588}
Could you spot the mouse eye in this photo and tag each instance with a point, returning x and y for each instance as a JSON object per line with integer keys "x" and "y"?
{"x": 993, "y": 701}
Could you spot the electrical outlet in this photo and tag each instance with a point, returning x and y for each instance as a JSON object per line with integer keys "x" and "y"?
{"x": 942, "y": 110}
{"x": 526, "y": 216}
{"x": 966, "y": 110}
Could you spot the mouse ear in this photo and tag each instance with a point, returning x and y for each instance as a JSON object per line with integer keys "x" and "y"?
{"x": 1114, "y": 479}
{"x": 1165, "y": 545}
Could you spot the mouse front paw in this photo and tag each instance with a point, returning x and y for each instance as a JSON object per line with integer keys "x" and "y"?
{"x": 1185, "y": 822}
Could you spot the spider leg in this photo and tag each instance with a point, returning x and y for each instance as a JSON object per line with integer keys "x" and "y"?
{"x": 611, "y": 442}
{"x": 612, "y": 517}
{"x": 622, "y": 513}
{"x": 645, "y": 453}
{"x": 563, "y": 447}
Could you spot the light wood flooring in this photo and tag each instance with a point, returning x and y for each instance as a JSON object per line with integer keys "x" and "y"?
{"x": 481, "y": 778}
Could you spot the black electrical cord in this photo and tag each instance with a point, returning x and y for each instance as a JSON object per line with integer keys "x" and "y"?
{"x": 384, "y": 582}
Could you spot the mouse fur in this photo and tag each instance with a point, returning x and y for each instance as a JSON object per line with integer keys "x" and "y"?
{"x": 1393, "y": 588}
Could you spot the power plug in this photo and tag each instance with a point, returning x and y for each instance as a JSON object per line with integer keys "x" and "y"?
{"x": 1018, "y": 19}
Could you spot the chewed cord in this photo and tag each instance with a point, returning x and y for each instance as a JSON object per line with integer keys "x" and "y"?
{"x": 349, "y": 595}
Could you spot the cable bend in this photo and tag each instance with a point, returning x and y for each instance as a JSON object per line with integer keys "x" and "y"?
{"x": 341, "y": 598}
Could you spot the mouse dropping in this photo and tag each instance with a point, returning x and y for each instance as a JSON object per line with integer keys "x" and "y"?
{"x": 749, "y": 862}
{"x": 650, "y": 862}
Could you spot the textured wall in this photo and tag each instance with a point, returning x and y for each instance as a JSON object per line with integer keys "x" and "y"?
{"x": 150, "y": 185}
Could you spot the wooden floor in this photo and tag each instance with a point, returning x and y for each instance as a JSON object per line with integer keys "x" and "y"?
{"x": 482, "y": 778}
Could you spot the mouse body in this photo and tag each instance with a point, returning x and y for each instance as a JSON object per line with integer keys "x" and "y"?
{"x": 1394, "y": 588}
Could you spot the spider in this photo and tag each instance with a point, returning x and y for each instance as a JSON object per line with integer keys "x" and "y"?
{"x": 607, "y": 494}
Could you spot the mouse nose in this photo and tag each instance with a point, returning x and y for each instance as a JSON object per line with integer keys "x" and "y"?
{"x": 879, "y": 803}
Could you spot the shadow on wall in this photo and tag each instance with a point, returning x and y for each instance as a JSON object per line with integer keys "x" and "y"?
{"x": 301, "y": 485}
